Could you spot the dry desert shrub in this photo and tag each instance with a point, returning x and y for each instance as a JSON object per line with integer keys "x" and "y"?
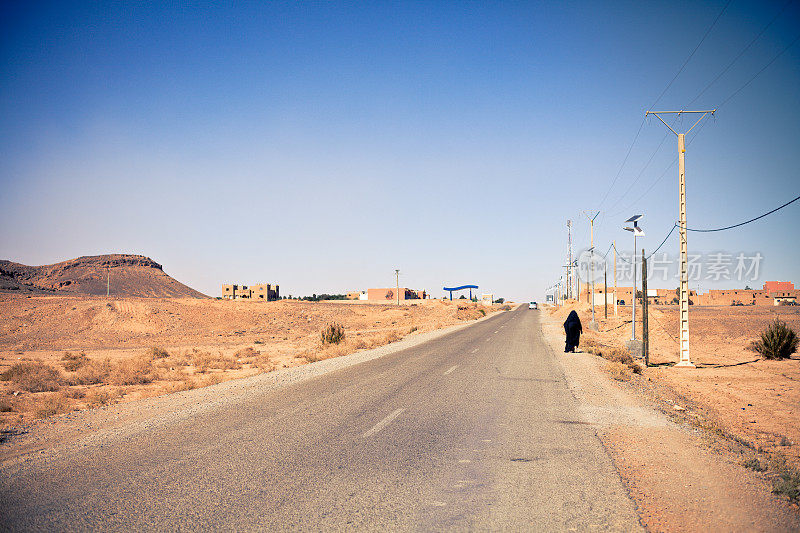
{"x": 201, "y": 362}
{"x": 158, "y": 353}
{"x": 247, "y": 352}
{"x": 619, "y": 371}
{"x": 92, "y": 372}
{"x": 97, "y": 397}
{"x": 332, "y": 334}
{"x": 33, "y": 376}
{"x": 391, "y": 336}
{"x": 50, "y": 405}
{"x": 247, "y": 355}
{"x": 787, "y": 484}
{"x": 133, "y": 371}
{"x": 73, "y": 361}
{"x": 619, "y": 355}
{"x": 212, "y": 379}
{"x": 205, "y": 361}
{"x": 74, "y": 393}
{"x": 778, "y": 341}
{"x": 265, "y": 363}
{"x": 182, "y": 359}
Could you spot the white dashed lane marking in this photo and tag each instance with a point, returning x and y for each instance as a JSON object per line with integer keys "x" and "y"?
{"x": 383, "y": 423}
{"x": 450, "y": 369}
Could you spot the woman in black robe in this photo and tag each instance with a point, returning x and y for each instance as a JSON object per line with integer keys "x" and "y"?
{"x": 573, "y": 329}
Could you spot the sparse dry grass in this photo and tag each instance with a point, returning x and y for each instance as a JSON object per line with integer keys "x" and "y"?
{"x": 158, "y": 353}
{"x": 135, "y": 371}
{"x": 205, "y": 361}
{"x": 50, "y": 404}
{"x": 619, "y": 371}
{"x": 280, "y": 335}
{"x": 92, "y": 373}
{"x": 73, "y": 361}
{"x": 104, "y": 396}
{"x": 33, "y": 376}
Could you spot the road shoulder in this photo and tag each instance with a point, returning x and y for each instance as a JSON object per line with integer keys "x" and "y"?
{"x": 676, "y": 479}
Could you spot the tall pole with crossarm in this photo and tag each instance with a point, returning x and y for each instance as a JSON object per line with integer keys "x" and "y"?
{"x": 593, "y": 324}
{"x": 684, "y": 303}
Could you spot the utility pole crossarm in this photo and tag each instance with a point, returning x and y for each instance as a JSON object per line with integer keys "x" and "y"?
{"x": 659, "y": 113}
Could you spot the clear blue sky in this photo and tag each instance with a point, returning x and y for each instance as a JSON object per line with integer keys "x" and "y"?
{"x": 323, "y": 145}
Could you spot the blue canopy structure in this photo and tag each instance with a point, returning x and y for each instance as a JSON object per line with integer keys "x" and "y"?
{"x": 459, "y": 288}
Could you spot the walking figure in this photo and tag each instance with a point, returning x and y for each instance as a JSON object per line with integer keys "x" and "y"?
{"x": 573, "y": 329}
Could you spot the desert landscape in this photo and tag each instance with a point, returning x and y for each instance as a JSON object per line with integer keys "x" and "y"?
{"x": 733, "y": 392}
{"x": 59, "y": 354}
{"x": 65, "y": 346}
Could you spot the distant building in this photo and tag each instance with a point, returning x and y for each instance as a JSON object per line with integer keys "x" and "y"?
{"x": 775, "y": 286}
{"x": 357, "y": 295}
{"x": 390, "y": 294}
{"x": 773, "y": 293}
{"x": 264, "y": 291}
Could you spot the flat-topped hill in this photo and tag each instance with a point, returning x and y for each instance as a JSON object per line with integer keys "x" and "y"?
{"x": 130, "y": 275}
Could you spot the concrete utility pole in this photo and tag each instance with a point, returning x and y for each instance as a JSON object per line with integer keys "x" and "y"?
{"x": 397, "y": 278}
{"x": 615, "y": 278}
{"x": 569, "y": 259}
{"x": 685, "y": 361}
{"x": 645, "y": 316}
{"x": 592, "y": 324}
{"x": 605, "y": 289}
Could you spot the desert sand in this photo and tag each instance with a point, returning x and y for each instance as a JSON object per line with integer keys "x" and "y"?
{"x": 84, "y": 351}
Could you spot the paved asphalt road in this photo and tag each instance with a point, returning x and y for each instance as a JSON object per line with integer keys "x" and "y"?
{"x": 475, "y": 430}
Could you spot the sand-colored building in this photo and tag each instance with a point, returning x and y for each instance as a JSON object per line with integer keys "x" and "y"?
{"x": 263, "y": 291}
{"x": 390, "y": 294}
{"x": 773, "y": 293}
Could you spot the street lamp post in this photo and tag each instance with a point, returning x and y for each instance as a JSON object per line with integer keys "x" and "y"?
{"x": 637, "y": 232}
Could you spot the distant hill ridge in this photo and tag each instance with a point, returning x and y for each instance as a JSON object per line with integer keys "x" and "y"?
{"x": 130, "y": 275}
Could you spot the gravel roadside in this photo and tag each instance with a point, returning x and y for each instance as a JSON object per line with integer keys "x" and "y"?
{"x": 677, "y": 481}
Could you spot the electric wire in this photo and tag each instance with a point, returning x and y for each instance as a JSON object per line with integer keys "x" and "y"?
{"x": 614, "y": 181}
{"x": 757, "y": 74}
{"x": 664, "y": 173}
{"x": 662, "y": 242}
{"x": 641, "y": 172}
{"x": 630, "y": 148}
{"x": 746, "y": 221}
{"x": 622, "y": 258}
{"x": 745, "y": 49}
{"x": 690, "y": 56}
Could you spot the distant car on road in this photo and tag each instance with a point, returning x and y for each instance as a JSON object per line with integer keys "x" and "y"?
{"x": 533, "y": 305}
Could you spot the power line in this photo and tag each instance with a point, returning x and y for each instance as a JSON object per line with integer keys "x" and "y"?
{"x": 636, "y": 137}
{"x": 622, "y": 258}
{"x": 641, "y": 172}
{"x": 757, "y": 74}
{"x": 662, "y": 242}
{"x": 660, "y": 177}
{"x": 690, "y": 56}
{"x": 745, "y": 222}
{"x": 745, "y": 49}
{"x": 614, "y": 181}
